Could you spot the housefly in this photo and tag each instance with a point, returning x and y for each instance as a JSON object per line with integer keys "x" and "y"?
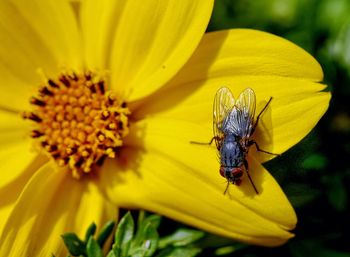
{"x": 234, "y": 126}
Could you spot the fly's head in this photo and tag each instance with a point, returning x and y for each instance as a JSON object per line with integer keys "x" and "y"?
{"x": 232, "y": 174}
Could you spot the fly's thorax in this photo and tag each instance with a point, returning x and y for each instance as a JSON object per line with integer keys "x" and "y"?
{"x": 231, "y": 152}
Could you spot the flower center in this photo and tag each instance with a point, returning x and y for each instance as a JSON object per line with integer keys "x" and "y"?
{"x": 77, "y": 122}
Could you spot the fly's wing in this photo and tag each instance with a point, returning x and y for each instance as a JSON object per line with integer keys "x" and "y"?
{"x": 242, "y": 115}
{"x": 223, "y": 104}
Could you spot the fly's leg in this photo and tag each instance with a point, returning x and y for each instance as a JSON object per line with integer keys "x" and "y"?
{"x": 259, "y": 115}
{"x": 228, "y": 184}
{"x": 201, "y": 143}
{"x": 250, "y": 179}
{"x": 252, "y": 142}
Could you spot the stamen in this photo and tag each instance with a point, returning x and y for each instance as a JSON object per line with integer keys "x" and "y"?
{"x": 111, "y": 99}
{"x": 79, "y": 162}
{"x": 92, "y": 88}
{"x": 37, "y": 101}
{"x": 101, "y": 160}
{"x": 45, "y": 91}
{"x": 101, "y": 87}
{"x": 32, "y": 116}
{"x": 36, "y": 133}
{"x": 64, "y": 80}
{"x": 52, "y": 84}
{"x": 78, "y": 123}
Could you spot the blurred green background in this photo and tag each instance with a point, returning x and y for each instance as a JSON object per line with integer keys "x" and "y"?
{"x": 314, "y": 174}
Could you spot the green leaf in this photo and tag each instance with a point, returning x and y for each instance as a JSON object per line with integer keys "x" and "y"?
{"x": 124, "y": 235}
{"x": 315, "y": 161}
{"x": 147, "y": 242}
{"x": 93, "y": 249}
{"x": 139, "y": 252}
{"x": 73, "y": 243}
{"x": 152, "y": 220}
{"x": 140, "y": 218}
{"x": 90, "y": 231}
{"x": 337, "y": 194}
{"x": 225, "y": 250}
{"x": 111, "y": 254}
{"x": 105, "y": 233}
{"x": 181, "y": 237}
{"x": 180, "y": 252}
{"x": 150, "y": 241}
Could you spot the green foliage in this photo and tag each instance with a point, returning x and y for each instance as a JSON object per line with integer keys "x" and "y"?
{"x": 105, "y": 232}
{"x": 90, "y": 231}
{"x": 123, "y": 235}
{"x": 143, "y": 242}
{"x": 181, "y": 237}
{"x": 74, "y": 245}
{"x": 180, "y": 252}
{"x": 93, "y": 249}
{"x": 315, "y": 161}
{"x": 336, "y": 192}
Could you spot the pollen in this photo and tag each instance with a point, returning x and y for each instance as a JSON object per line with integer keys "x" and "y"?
{"x": 77, "y": 122}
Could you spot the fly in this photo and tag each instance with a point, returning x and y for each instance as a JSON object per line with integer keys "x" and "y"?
{"x": 234, "y": 126}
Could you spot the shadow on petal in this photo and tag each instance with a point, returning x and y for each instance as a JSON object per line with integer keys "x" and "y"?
{"x": 167, "y": 186}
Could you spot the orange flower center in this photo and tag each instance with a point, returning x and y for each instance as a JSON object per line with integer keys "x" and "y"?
{"x": 77, "y": 122}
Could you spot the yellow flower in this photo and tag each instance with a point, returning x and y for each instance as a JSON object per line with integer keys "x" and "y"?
{"x": 132, "y": 84}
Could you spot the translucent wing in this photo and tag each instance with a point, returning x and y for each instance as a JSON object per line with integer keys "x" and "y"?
{"x": 241, "y": 117}
{"x": 223, "y": 104}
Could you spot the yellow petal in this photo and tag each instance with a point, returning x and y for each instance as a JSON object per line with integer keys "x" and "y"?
{"x": 4, "y": 214}
{"x": 18, "y": 161}
{"x": 291, "y": 118}
{"x": 55, "y": 23}
{"x": 271, "y": 66}
{"x": 34, "y": 34}
{"x": 10, "y": 191}
{"x": 150, "y": 41}
{"x": 16, "y": 149}
{"x": 98, "y": 21}
{"x": 51, "y": 204}
{"x": 170, "y": 176}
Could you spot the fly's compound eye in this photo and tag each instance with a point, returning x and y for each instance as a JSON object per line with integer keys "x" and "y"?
{"x": 237, "y": 172}
{"x": 236, "y": 175}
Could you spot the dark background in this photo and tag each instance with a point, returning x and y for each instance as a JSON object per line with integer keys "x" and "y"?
{"x": 314, "y": 174}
